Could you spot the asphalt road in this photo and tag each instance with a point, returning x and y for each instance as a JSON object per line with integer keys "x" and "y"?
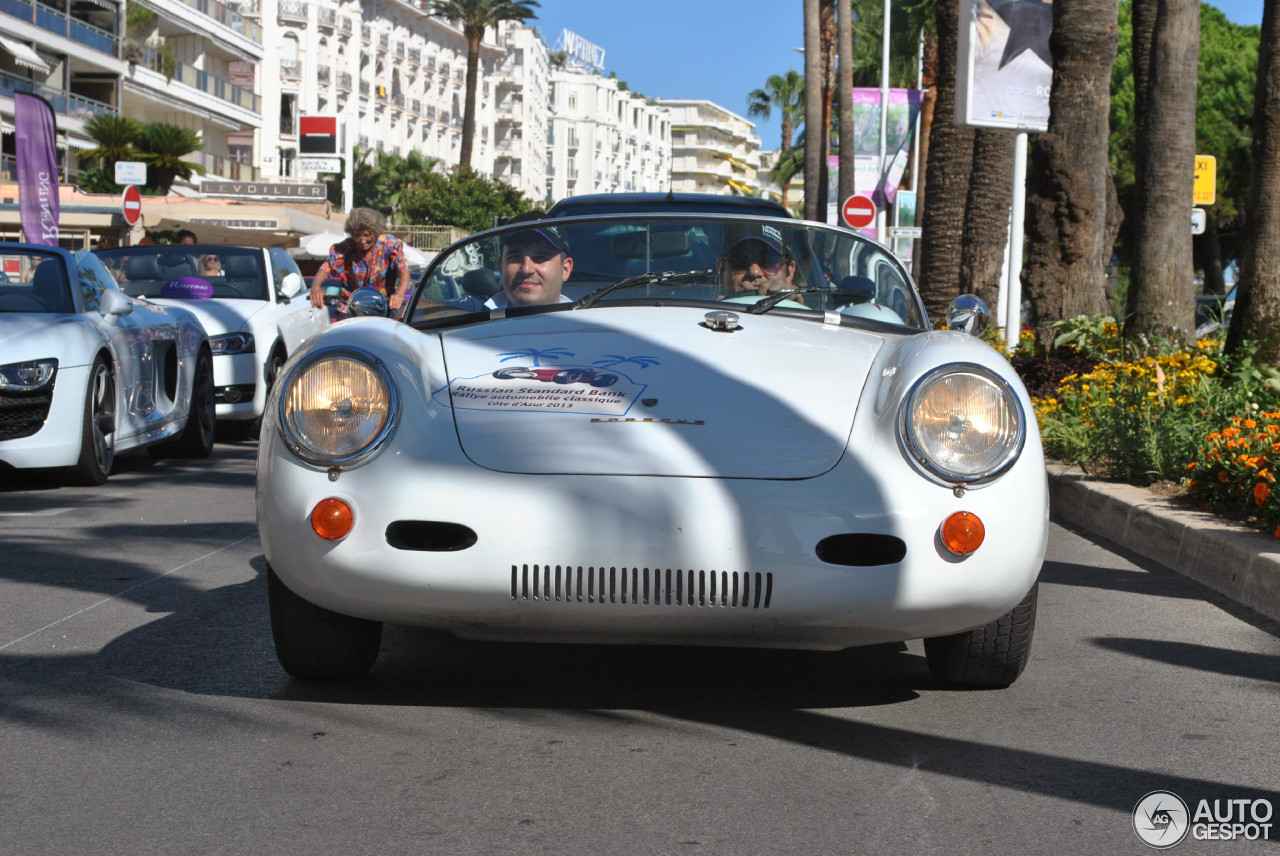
{"x": 142, "y": 712}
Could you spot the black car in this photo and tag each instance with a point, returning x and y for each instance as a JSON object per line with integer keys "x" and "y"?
{"x": 664, "y": 203}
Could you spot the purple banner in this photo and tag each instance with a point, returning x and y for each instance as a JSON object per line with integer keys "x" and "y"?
{"x": 37, "y": 161}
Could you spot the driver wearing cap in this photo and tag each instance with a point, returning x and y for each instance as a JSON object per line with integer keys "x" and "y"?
{"x": 755, "y": 260}
{"x": 535, "y": 263}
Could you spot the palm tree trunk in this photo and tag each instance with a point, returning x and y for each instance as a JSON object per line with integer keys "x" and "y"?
{"x": 986, "y": 216}
{"x": 1257, "y": 312}
{"x": 469, "y": 104}
{"x": 1068, "y": 230}
{"x": 950, "y": 162}
{"x": 812, "y": 109}
{"x": 844, "y": 90}
{"x": 1161, "y": 300}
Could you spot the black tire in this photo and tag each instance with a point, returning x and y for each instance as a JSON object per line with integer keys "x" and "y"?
{"x": 512, "y": 373}
{"x": 570, "y": 376}
{"x": 196, "y": 439}
{"x": 603, "y": 380}
{"x": 98, "y": 432}
{"x": 314, "y": 643}
{"x": 273, "y": 367}
{"x": 993, "y": 655}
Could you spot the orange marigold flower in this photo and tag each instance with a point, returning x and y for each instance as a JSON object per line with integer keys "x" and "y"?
{"x": 1223, "y": 477}
{"x": 1192, "y": 465}
{"x": 1249, "y": 423}
{"x": 1260, "y": 493}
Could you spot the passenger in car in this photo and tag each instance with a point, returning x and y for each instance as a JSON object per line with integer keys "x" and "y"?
{"x": 210, "y": 265}
{"x": 754, "y": 259}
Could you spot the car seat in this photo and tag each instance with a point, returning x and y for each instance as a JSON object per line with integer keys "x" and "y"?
{"x": 481, "y": 282}
{"x": 243, "y": 272}
{"x": 172, "y": 267}
{"x": 142, "y": 268}
{"x": 49, "y": 286}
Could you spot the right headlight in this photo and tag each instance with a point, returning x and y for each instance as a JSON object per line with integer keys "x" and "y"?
{"x": 337, "y": 406}
{"x": 963, "y": 424}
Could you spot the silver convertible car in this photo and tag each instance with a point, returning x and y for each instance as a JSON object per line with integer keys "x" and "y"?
{"x": 86, "y": 371}
{"x": 695, "y": 430}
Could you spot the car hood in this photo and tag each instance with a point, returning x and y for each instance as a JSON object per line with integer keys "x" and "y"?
{"x": 34, "y": 336}
{"x": 220, "y": 315}
{"x": 655, "y": 392}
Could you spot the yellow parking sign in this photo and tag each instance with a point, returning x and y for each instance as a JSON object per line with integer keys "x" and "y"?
{"x": 1206, "y": 185}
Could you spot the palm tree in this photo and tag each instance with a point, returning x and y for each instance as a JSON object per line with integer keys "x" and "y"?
{"x": 785, "y": 92}
{"x": 115, "y": 136}
{"x": 475, "y": 16}
{"x": 163, "y": 148}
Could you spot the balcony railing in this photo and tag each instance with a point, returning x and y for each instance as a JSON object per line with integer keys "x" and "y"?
{"x": 228, "y": 18}
{"x": 323, "y": 75}
{"x": 327, "y": 17}
{"x": 400, "y": 52}
{"x": 384, "y": 42}
{"x": 64, "y": 103}
{"x": 431, "y": 65}
{"x": 415, "y": 56}
{"x": 294, "y": 11}
{"x": 344, "y": 81}
{"x": 53, "y": 21}
{"x": 397, "y": 100}
{"x": 291, "y": 69}
{"x": 225, "y": 167}
{"x": 365, "y": 87}
{"x": 415, "y": 106}
{"x": 288, "y": 126}
{"x": 345, "y": 26}
{"x": 204, "y": 81}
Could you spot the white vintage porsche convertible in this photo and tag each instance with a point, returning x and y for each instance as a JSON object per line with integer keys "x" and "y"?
{"x": 86, "y": 371}
{"x": 724, "y": 430}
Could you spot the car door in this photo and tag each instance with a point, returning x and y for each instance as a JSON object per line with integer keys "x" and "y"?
{"x": 138, "y": 340}
{"x": 298, "y": 320}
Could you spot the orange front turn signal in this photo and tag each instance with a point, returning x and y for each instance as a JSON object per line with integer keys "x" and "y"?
{"x": 962, "y": 533}
{"x": 332, "y": 519}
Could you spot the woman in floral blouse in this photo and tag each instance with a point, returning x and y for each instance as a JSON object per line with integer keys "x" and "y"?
{"x": 368, "y": 258}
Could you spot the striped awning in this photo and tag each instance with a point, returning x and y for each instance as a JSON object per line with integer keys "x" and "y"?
{"x": 24, "y": 55}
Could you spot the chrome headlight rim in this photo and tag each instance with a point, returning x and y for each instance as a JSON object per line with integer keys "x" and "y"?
{"x": 931, "y": 467}
{"x": 305, "y": 453}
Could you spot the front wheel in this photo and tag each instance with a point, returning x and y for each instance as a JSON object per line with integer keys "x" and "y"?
{"x": 98, "y": 432}
{"x": 993, "y": 655}
{"x": 314, "y": 643}
{"x": 196, "y": 439}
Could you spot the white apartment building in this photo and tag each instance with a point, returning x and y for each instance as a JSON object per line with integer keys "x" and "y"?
{"x": 522, "y": 115}
{"x": 395, "y": 76}
{"x": 186, "y": 62}
{"x": 713, "y": 150}
{"x": 604, "y": 139}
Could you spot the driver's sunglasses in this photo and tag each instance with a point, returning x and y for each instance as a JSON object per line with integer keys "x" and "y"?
{"x": 770, "y": 261}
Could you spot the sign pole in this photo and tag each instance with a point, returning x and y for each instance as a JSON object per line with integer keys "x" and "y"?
{"x": 1013, "y": 284}
{"x": 349, "y": 169}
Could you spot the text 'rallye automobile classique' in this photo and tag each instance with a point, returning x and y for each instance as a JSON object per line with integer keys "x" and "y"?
{"x": 668, "y": 429}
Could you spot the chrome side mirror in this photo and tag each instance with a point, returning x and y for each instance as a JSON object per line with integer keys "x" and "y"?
{"x": 968, "y": 313}
{"x": 368, "y": 301}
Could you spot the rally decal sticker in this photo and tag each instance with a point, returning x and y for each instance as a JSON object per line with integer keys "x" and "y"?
{"x": 524, "y": 383}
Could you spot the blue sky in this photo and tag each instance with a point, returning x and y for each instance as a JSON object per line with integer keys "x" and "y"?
{"x": 714, "y": 49}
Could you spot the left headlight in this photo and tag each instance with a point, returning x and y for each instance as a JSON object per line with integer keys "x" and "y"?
{"x": 231, "y": 343}
{"x": 337, "y": 407}
{"x": 963, "y": 424}
{"x": 28, "y": 376}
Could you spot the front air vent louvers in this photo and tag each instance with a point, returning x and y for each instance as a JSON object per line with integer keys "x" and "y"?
{"x": 640, "y": 586}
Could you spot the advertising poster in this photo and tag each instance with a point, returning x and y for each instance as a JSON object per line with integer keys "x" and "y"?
{"x": 870, "y": 177}
{"x": 1005, "y": 69}
{"x": 36, "y": 158}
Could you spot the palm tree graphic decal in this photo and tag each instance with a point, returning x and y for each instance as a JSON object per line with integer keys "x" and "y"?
{"x": 612, "y": 361}
{"x": 536, "y": 355}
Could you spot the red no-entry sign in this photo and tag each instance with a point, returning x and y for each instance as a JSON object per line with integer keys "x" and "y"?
{"x": 131, "y": 205}
{"x": 859, "y": 211}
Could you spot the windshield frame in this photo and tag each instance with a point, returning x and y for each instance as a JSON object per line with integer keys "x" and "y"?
{"x": 441, "y": 313}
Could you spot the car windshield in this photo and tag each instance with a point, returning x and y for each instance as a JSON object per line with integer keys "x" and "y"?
{"x": 760, "y": 263}
{"x": 190, "y": 271}
{"x": 32, "y": 281}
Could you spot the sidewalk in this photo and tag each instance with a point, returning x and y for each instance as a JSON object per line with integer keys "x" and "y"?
{"x": 1241, "y": 563}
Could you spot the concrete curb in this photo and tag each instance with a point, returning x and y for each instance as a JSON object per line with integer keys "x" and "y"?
{"x": 1238, "y": 562}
